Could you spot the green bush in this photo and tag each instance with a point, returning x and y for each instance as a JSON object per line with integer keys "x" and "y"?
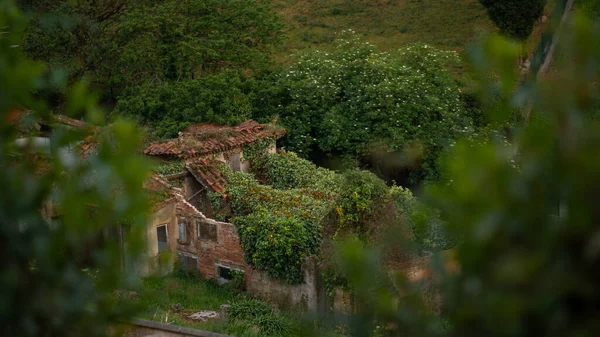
{"x": 273, "y": 325}
{"x": 526, "y": 216}
{"x": 591, "y": 8}
{"x": 248, "y": 308}
{"x": 281, "y": 225}
{"x": 403, "y": 200}
{"x": 425, "y": 225}
{"x": 278, "y": 245}
{"x": 361, "y": 194}
{"x": 237, "y": 282}
{"x": 261, "y": 315}
{"x": 515, "y": 18}
{"x": 288, "y": 171}
{"x": 119, "y": 45}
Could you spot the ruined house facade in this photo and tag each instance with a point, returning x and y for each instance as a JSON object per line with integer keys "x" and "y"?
{"x": 184, "y": 223}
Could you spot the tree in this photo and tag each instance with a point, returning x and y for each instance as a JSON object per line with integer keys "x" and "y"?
{"x": 47, "y": 288}
{"x": 182, "y": 39}
{"x": 120, "y": 44}
{"x": 356, "y": 100}
{"x": 167, "y": 108}
{"x": 75, "y": 36}
{"x": 515, "y": 18}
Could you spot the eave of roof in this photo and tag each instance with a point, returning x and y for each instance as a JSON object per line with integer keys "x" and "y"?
{"x": 209, "y": 174}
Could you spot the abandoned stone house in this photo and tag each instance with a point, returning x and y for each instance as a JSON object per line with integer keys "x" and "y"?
{"x": 183, "y": 220}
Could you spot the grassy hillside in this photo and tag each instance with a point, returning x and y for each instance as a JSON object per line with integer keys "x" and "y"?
{"x": 447, "y": 24}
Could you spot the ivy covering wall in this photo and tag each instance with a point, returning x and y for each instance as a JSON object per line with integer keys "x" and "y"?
{"x": 288, "y": 209}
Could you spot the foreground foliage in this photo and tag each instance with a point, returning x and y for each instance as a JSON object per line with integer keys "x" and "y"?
{"x": 59, "y": 275}
{"x": 528, "y": 224}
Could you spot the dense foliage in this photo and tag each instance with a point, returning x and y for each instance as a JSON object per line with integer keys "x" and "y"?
{"x": 171, "y": 106}
{"x": 278, "y": 229}
{"x": 58, "y": 277}
{"x": 356, "y": 100}
{"x": 120, "y": 44}
{"x": 590, "y": 7}
{"x": 362, "y": 194}
{"x": 299, "y": 208}
{"x": 528, "y": 257}
{"x": 261, "y": 315}
{"x": 515, "y": 18}
{"x": 287, "y": 170}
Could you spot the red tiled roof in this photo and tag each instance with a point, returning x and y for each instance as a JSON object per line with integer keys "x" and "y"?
{"x": 62, "y": 119}
{"x": 172, "y": 147}
{"x": 208, "y": 173}
{"x": 201, "y": 139}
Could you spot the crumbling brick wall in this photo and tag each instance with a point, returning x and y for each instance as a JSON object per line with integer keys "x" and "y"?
{"x": 224, "y": 250}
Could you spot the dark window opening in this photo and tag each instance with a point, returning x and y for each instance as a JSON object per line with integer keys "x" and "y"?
{"x": 224, "y": 273}
{"x": 206, "y": 231}
{"x": 161, "y": 237}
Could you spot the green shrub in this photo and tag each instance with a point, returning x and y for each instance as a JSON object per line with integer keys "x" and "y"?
{"x": 288, "y": 171}
{"x": 261, "y": 315}
{"x": 64, "y": 260}
{"x": 515, "y": 18}
{"x": 273, "y": 325}
{"x": 361, "y": 194}
{"x": 591, "y": 8}
{"x": 403, "y": 200}
{"x": 278, "y": 245}
{"x": 248, "y": 308}
{"x": 278, "y": 229}
{"x": 171, "y": 167}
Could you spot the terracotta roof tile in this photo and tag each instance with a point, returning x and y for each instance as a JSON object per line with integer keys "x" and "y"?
{"x": 202, "y": 139}
{"x": 209, "y": 174}
{"x": 157, "y": 183}
{"x": 62, "y": 119}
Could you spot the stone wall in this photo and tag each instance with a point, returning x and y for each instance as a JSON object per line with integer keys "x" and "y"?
{"x": 303, "y": 296}
{"x": 150, "y": 262}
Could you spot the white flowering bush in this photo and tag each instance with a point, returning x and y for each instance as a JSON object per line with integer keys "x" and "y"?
{"x": 356, "y": 99}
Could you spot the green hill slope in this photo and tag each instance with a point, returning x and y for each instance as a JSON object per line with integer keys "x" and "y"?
{"x": 447, "y": 24}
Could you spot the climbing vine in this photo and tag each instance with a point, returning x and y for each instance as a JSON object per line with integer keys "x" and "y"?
{"x": 278, "y": 229}
{"x": 295, "y": 210}
{"x": 171, "y": 167}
